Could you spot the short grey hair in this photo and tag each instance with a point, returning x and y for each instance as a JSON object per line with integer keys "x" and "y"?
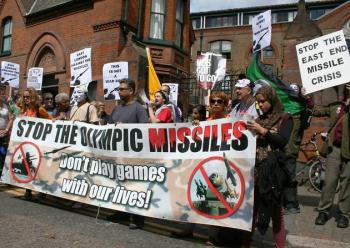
{"x": 61, "y": 97}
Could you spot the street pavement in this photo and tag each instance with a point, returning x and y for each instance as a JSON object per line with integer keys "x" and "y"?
{"x": 53, "y": 223}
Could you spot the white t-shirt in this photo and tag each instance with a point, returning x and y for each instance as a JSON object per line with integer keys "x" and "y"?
{"x": 242, "y": 109}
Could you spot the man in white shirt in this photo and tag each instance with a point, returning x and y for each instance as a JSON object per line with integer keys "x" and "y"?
{"x": 246, "y": 101}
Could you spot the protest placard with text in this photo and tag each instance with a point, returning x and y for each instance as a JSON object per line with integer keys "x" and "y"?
{"x": 324, "y": 62}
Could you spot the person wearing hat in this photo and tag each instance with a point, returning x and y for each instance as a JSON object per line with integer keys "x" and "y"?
{"x": 246, "y": 101}
{"x": 84, "y": 111}
{"x": 160, "y": 111}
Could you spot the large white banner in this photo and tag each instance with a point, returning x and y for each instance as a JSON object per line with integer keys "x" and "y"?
{"x": 261, "y": 25}
{"x": 198, "y": 174}
{"x": 10, "y": 74}
{"x": 112, "y": 74}
{"x": 35, "y": 78}
{"x": 211, "y": 68}
{"x": 324, "y": 62}
{"x": 80, "y": 68}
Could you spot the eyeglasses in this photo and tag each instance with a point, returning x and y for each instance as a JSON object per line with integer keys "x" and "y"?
{"x": 26, "y": 96}
{"x": 122, "y": 89}
{"x": 218, "y": 101}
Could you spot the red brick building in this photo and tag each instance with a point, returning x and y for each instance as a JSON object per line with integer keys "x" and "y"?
{"x": 229, "y": 32}
{"x": 43, "y": 33}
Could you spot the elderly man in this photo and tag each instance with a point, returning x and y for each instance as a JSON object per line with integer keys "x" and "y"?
{"x": 84, "y": 111}
{"x": 246, "y": 101}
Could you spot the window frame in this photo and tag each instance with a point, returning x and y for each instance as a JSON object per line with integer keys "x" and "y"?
{"x": 6, "y": 21}
{"x": 179, "y": 24}
{"x": 224, "y": 54}
{"x": 220, "y": 20}
{"x": 162, "y": 14}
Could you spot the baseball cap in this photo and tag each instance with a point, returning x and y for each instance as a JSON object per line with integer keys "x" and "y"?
{"x": 242, "y": 83}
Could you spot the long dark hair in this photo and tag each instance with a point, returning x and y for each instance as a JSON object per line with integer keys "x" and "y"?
{"x": 201, "y": 110}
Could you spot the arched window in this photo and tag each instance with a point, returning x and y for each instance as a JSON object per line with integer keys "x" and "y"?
{"x": 6, "y": 35}
{"x": 221, "y": 46}
{"x": 157, "y": 19}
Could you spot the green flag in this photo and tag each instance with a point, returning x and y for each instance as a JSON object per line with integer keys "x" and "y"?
{"x": 292, "y": 103}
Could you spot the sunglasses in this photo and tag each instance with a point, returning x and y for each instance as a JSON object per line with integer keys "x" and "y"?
{"x": 122, "y": 89}
{"x": 218, "y": 101}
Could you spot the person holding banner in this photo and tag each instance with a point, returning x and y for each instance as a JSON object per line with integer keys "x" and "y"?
{"x": 218, "y": 101}
{"x": 337, "y": 150}
{"x": 61, "y": 112}
{"x": 101, "y": 113}
{"x": 6, "y": 120}
{"x": 128, "y": 110}
{"x": 48, "y": 102}
{"x": 246, "y": 102}
{"x": 84, "y": 111}
{"x": 164, "y": 111}
{"x": 30, "y": 106}
{"x": 273, "y": 129}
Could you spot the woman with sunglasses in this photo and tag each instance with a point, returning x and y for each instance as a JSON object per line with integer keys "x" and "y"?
{"x": 218, "y": 101}
{"x": 161, "y": 111}
{"x": 30, "y": 106}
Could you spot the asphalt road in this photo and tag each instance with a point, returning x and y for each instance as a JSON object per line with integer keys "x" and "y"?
{"x": 30, "y": 224}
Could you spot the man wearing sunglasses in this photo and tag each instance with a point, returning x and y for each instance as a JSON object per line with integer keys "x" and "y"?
{"x": 128, "y": 110}
{"x": 246, "y": 101}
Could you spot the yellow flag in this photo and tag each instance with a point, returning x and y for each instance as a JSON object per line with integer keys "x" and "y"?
{"x": 153, "y": 81}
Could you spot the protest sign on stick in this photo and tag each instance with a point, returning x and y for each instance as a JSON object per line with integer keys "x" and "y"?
{"x": 324, "y": 62}
{"x": 35, "y": 77}
{"x": 10, "y": 74}
{"x": 80, "y": 68}
{"x": 112, "y": 74}
{"x": 211, "y": 68}
{"x": 261, "y": 25}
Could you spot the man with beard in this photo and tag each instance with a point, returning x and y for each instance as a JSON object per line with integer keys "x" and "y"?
{"x": 128, "y": 111}
{"x": 246, "y": 101}
{"x": 178, "y": 114}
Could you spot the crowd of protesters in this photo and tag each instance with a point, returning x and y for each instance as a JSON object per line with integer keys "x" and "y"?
{"x": 278, "y": 139}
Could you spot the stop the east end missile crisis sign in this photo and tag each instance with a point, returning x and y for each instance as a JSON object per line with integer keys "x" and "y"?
{"x": 324, "y": 62}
